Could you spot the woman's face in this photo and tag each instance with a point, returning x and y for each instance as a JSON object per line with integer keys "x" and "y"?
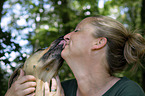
{"x": 80, "y": 41}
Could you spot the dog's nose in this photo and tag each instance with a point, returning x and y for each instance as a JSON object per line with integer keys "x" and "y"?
{"x": 61, "y": 37}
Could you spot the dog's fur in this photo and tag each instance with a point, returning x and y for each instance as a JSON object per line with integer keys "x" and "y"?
{"x": 43, "y": 64}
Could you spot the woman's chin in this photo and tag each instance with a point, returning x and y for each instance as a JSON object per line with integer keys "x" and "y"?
{"x": 64, "y": 54}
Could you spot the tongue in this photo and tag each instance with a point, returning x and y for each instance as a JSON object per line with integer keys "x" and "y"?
{"x": 62, "y": 42}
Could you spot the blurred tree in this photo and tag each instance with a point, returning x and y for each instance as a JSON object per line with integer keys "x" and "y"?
{"x": 6, "y": 48}
{"x": 3, "y": 81}
{"x": 142, "y": 25}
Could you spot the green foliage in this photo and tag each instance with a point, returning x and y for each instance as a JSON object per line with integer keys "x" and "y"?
{"x": 65, "y": 73}
{"x": 6, "y": 42}
{"x": 3, "y": 81}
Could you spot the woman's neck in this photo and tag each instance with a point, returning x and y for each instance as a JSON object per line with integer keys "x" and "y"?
{"x": 92, "y": 74}
{"x": 95, "y": 84}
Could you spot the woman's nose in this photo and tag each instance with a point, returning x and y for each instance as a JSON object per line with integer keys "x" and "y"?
{"x": 67, "y": 36}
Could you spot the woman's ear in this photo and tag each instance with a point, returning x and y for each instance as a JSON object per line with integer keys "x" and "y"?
{"x": 99, "y": 43}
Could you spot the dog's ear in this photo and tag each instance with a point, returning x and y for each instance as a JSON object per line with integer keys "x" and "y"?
{"x": 14, "y": 76}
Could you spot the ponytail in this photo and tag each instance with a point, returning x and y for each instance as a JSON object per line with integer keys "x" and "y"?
{"x": 134, "y": 49}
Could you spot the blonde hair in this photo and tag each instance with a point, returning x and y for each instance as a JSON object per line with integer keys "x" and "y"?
{"x": 124, "y": 47}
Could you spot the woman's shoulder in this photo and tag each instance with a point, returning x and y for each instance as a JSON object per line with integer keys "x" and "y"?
{"x": 127, "y": 83}
{"x": 125, "y": 87}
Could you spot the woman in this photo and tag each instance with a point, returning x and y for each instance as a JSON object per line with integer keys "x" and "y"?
{"x": 95, "y": 50}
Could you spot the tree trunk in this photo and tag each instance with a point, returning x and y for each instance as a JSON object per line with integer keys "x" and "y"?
{"x": 65, "y": 16}
{"x": 143, "y": 32}
{"x": 1, "y": 7}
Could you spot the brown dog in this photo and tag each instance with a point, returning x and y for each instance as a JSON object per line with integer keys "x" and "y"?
{"x": 43, "y": 64}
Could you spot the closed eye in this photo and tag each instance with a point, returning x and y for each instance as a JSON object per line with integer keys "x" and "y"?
{"x": 76, "y": 30}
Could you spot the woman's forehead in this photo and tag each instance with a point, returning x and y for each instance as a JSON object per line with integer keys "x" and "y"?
{"x": 89, "y": 20}
{"x": 85, "y": 21}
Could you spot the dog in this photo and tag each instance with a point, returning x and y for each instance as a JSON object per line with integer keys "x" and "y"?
{"x": 43, "y": 64}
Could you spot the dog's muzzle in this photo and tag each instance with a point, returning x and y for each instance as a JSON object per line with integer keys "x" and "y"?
{"x": 43, "y": 64}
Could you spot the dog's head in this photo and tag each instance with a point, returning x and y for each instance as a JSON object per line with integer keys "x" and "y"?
{"x": 44, "y": 63}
